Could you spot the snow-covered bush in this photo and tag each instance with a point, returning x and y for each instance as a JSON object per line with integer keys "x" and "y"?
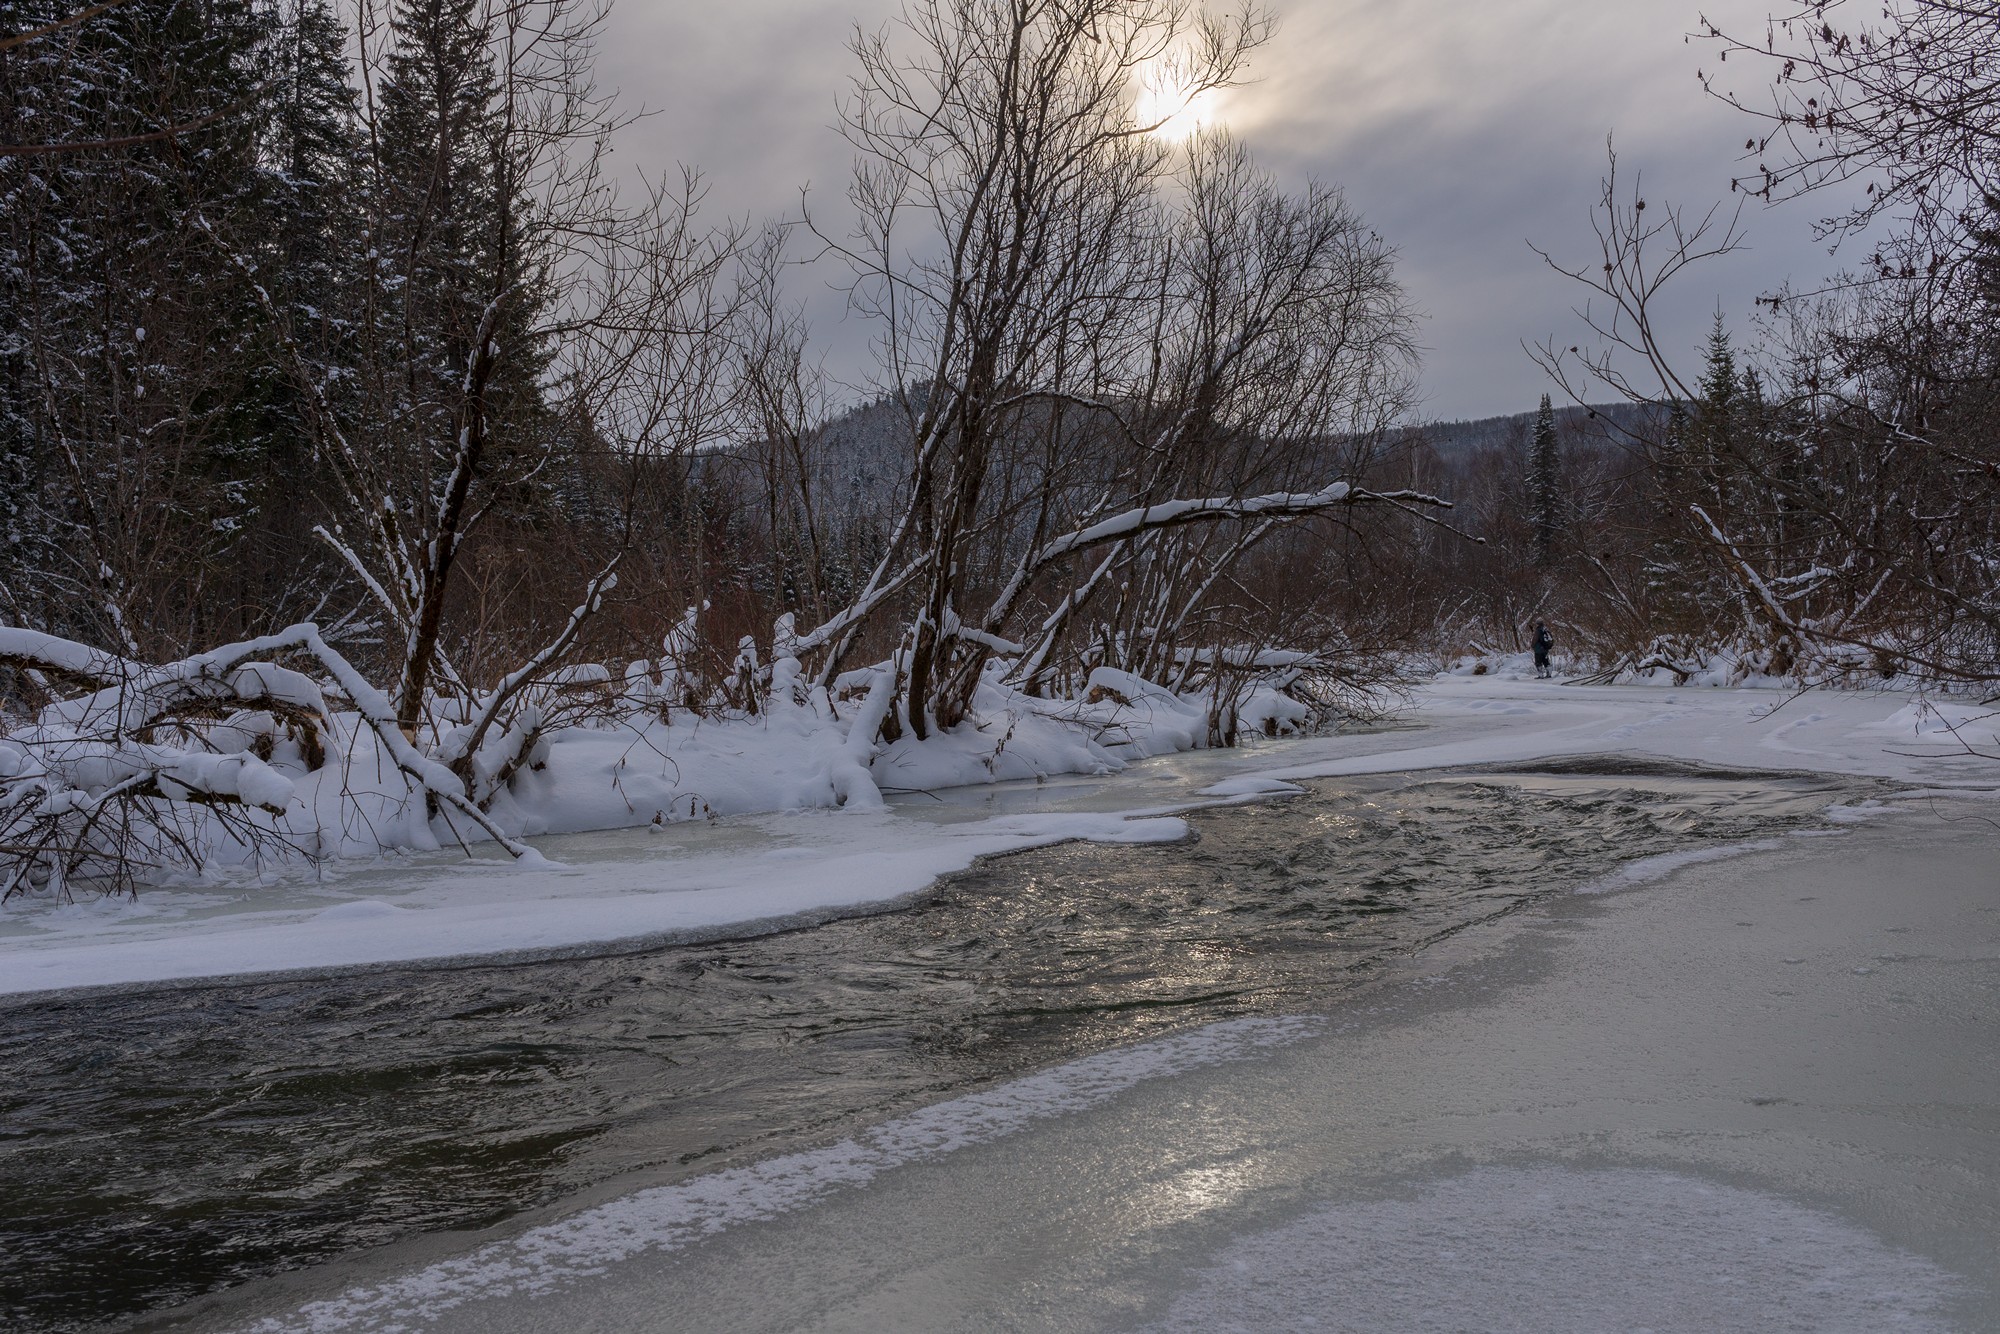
{"x": 108, "y": 781}
{"x": 277, "y": 750}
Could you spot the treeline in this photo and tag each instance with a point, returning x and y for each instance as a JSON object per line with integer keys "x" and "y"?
{"x": 354, "y": 406}
{"x": 1828, "y": 486}
{"x": 1815, "y": 495}
{"x": 254, "y": 293}
{"x": 336, "y": 316}
{"x": 1822, "y": 504}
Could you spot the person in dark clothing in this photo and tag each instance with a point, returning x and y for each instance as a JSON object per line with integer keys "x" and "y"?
{"x": 1543, "y": 642}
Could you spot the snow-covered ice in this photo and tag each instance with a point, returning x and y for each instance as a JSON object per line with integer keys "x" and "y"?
{"x": 543, "y": 1260}
{"x": 1552, "y": 1248}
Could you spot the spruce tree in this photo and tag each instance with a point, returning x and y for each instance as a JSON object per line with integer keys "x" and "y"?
{"x": 133, "y": 419}
{"x": 310, "y": 256}
{"x": 449, "y": 242}
{"x": 1678, "y": 426}
{"x": 1715, "y": 416}
{"x": 312, "y": 156}
{"x": 1543, "y": 483}
{"x": 438, "y": 131}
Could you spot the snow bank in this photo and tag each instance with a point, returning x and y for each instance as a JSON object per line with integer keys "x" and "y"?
{"x": 632, "y": 756}
{"x": 1947, "y": 722}
{"x": 805, "y": 756}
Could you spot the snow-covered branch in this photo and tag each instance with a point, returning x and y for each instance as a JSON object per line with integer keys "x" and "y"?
{"x": 1213, "y": 509}
{"x": 56, "y": 775}
{"x": 880, "y": 591}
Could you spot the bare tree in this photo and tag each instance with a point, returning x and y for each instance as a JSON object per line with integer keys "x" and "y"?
{"x": 783, "y": 399}
{"x": 581, "y": 323}
{"x": 1080, "y": 392}
{"x": 1815, "y": 499}
{"x": 1277, "y": 350}
{"x": 1905, "y": 104}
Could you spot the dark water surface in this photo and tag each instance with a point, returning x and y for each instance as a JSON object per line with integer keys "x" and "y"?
{"x": 160, "y": 1145}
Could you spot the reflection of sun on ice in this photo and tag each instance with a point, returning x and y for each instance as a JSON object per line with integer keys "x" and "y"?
{"x": 1170, "y": 106}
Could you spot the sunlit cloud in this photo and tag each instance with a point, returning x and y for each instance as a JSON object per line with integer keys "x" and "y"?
{"x": 1460, "y": 132}
{"x": 1171, "y": 105}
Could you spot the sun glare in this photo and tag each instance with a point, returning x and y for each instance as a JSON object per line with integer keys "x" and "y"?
{"x": 1170, "y": 107}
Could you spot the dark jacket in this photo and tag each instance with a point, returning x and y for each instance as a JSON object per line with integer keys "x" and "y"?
{"x": 1544, "y": 641}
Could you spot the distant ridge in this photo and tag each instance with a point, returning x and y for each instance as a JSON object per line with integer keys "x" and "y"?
{"x": 861, "y": 456}
{"x": 1616, "y": 422}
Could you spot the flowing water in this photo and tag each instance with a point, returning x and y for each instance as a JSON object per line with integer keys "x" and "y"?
{"x": 159, "y": 1145}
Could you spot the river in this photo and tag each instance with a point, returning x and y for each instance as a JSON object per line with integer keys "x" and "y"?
{"x": 160, "y": 1145}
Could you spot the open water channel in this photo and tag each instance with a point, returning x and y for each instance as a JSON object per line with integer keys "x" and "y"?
{"x": 158, "y": 1145}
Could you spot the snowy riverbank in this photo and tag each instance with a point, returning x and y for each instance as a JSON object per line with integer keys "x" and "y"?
{"x": 759, "y": 871}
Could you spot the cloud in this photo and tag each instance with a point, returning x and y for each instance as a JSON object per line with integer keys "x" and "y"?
{"x": 1462, "y": 131}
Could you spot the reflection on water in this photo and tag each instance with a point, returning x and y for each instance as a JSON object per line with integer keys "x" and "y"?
{"x": 158, "y": 1146}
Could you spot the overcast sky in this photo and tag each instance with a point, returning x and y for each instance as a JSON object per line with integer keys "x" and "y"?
{"x": 1461, "y": 129}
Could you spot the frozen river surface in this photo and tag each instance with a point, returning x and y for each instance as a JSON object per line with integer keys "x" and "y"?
{"x": 194, "y": 1138}
{"x": 1351, "y": 1060}
{"x": 1763, "y": 1094}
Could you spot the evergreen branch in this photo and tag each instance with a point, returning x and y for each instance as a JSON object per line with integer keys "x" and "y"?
{"x": 123, "y": 141}
{"x": 81, "y": 16}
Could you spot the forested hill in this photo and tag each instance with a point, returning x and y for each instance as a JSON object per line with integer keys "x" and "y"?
{"x": 864, "y": 451}
{"x": 1615, "y": 421}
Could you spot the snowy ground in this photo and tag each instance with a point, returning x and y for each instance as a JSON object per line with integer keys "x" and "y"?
{"x": 705, "y": 878}
{"x": 1760, "y": 1094}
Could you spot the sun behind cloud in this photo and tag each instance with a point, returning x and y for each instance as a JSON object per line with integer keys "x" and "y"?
{"x": 1170, "y": 106}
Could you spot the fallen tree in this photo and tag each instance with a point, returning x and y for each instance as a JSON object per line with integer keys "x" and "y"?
{"x": 96, "y": 787}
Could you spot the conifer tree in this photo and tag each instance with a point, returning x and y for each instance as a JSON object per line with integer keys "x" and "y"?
{"x": 134, "y": 419}
{"x": 1715, "y": 416}
{"x": 1543, "y": 483}
{"x": 310, "y": 258}
{"x": 312, "y": 157}
{"x": 1678, "y": 425}
{"x": 448, "y": 213}
{"x": 436, "y": 175}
